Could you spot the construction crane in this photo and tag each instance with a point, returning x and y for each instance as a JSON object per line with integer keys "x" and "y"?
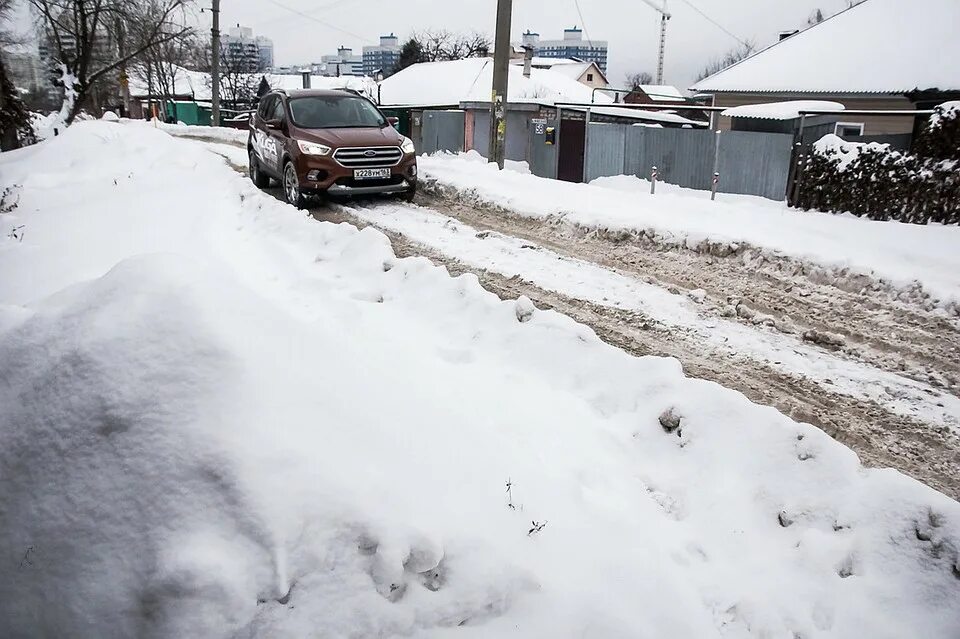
{"x": 664, "y": 16}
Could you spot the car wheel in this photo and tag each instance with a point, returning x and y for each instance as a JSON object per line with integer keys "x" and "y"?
{"x": 409, "y": 195}
{"x": 260, "y": 179}
{"x": 291, "y": 186}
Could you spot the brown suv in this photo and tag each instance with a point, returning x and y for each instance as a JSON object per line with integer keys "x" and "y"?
{"x": 328, "y": 143}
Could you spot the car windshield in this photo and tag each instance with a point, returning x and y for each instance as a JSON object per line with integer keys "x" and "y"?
{"x": 334, "y": 111}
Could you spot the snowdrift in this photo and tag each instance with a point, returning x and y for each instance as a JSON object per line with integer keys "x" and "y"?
{"x": 220, "y": 418}
{"x": 911, "y": 262}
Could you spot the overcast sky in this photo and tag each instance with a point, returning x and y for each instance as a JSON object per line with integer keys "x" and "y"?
{"x": 630, "y": 26}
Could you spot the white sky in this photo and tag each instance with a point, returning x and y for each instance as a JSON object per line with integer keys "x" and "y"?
{"x": 630, "y": 26}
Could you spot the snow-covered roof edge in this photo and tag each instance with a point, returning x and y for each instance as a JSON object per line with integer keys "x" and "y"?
{"x": 700, "y": 85}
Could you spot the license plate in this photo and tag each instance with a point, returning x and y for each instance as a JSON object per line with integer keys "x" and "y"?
{"x": 367, "y": 174}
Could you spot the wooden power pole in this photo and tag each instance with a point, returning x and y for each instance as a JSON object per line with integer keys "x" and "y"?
{"x": 498, "y": 98}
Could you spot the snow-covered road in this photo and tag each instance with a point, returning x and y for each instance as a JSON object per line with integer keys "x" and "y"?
{"x": 894, "y": 406}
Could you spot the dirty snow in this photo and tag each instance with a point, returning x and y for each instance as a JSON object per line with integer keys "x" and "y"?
{"x": 899, "y": 255}
{"x": 219, "y": 418}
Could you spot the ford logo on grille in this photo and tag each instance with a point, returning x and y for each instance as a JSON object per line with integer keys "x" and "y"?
{"x": 369, "y": 154}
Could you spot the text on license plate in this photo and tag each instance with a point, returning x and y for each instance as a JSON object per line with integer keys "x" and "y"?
{"x": 366, "y": 174}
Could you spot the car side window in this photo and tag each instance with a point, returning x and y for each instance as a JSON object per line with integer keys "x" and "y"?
{"x": 276, "y": 110}
{"x": 266, "y": 104}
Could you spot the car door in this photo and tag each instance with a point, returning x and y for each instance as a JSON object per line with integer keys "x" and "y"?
{"x": 263, "y": 143}
{"x": 276, "y": 135}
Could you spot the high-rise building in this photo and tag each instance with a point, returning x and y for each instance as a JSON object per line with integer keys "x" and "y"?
{"x": 343, "y": 63}
{"x": 572, "y": 46}
{"x": 244, "y": 52}
{"x": 265, "y": 50}
{"x": 382, "y": 58}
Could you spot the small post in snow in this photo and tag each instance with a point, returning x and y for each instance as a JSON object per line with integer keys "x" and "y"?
{"x": 713, "y": 189}
{"x": 653, "y": 180}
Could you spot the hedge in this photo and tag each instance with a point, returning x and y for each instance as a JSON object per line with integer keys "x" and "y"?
{"x": 874, "y": 181}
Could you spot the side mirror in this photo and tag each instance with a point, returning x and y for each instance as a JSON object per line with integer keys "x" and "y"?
{"x": 394, "y": 121}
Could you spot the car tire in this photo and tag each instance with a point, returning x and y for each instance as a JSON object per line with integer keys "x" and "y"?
{"x": 291, "y": 186}
{"x": 409, "y": 195}
{"x": 260, "y": 179}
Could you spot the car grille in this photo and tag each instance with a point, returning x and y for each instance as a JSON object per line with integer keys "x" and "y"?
{"x": 368, "y": 157}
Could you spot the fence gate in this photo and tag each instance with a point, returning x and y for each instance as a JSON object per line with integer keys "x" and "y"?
{"x": 754, "y": 163}
{"x": 442, "y": 131}
{"x": 541, "y": 156}
{"x": 571, "y": 151}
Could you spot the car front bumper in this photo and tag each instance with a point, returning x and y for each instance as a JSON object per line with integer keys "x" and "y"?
{"x": 326, "y": 175}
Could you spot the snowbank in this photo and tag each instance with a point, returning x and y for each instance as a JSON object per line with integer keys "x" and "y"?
{"x": 220, "y": 418}
{"x": 919, "y": 263}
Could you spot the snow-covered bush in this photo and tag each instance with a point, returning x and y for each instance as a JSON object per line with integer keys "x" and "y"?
{"x": 881, "y": 183}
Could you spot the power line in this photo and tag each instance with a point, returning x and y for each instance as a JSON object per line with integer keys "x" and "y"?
{"x": 319, "y": 21}
{"x": 583, "y": 22}
{"x": 715, "y": 23}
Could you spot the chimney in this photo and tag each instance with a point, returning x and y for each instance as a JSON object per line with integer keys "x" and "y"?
{"x": 305, "y": 76}
{"x": 527, "y": 61}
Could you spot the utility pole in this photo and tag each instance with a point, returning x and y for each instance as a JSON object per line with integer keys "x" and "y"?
{"x": 215, "y": 65}
{"x": 498, "y": 98}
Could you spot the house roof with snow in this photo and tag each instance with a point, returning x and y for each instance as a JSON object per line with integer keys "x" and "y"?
{"x": 197, "y": 83}
{"x": 789, "y": 110}
{"x": 663, "y": 93}
{"x": 878, "y": 46}
{"x": 471, "y": 80}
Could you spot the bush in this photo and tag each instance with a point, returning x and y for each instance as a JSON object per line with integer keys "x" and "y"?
{"x": 875, "y": 181}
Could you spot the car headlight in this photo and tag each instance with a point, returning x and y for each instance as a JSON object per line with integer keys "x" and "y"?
{"x": 312, "y": 148}
{"x": 407, "y": 145}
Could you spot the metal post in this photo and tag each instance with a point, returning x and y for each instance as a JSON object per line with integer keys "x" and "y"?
{"x": 556, "y": 144}
{"x": 586, "y": 146}
{"x": 215, "y": 65}
{"x": 653, "y": 180}
{"x": 498, "y": 98}
{"x": 716, "y": 165}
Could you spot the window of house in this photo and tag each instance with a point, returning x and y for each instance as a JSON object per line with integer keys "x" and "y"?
{"x": 589, "y": 77}
{"x": 849, "y": 129}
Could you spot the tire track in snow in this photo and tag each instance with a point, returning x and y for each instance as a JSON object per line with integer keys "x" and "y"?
{"x": 888, "y": 419}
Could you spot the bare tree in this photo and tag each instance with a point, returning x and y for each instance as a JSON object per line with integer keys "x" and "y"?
{"x": 86, "y": 41}
{"x": 441, "y": 44}
{"x": 15, "y": 129}
{"x": 163, "y": 62}
{"x": 636, "y": 80}
{"x": 731, "y": 57}
{"x": 238, "y": 86}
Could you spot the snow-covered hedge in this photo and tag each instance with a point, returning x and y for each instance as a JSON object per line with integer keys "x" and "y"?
{"x": 884, "y": 184}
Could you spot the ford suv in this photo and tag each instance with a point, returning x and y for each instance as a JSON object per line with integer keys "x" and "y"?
{"x": 319, "y": 143}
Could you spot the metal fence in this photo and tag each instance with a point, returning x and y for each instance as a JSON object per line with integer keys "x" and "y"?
{"x": 748, "y": 163}
{"x": 442, "y": 131}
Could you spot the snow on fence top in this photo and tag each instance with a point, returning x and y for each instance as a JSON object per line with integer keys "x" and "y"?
{"x": 879, "y": 46}
{"x": 789, "y": 110}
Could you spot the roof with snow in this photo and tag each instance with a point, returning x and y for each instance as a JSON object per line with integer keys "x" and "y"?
{"x": 640, "y": 114}
{"x": 471, "y": 80}
{"x": 879, "y": 46}
{"x": 663, "y": 92}
{"x": 546, "y": 63}
{"x": 789, "y": 110}
{"x": 197, "y": 83}
{"x": 577, "y": 69}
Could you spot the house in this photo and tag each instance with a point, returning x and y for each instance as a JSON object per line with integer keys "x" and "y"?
{"x": 587, "y": 73}
{"x": 877, "y": 55}
{"x": 657, "y": 94}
